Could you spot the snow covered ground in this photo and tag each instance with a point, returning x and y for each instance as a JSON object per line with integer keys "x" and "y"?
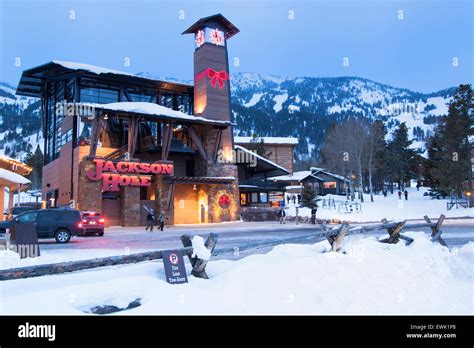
{"x": 371, "y": 278}
{"x": 391, "y": 208}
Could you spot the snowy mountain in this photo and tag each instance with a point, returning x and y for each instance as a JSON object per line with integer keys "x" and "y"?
{"x": 305, "y": 107}
{"x": 19, "y": 123}
{"x": 302, "y": 107}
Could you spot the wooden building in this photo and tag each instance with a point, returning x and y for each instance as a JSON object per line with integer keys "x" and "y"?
{"x": 115, "y": 142}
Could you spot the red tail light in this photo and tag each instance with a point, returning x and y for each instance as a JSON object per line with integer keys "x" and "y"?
{"x": 84, "y": 220}
{"x": 79, "y": 225}
{"x": 101, "y": 221}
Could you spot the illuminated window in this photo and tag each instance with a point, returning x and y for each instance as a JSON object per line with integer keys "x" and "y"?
{"x": 329, "y": 185}
{"x": 243, "y": 199}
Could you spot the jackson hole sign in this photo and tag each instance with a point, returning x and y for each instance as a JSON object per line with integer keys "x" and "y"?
{"x": 114, "y": 175}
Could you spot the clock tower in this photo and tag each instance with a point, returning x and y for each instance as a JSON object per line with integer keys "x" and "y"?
{"x": 211, "y": 71}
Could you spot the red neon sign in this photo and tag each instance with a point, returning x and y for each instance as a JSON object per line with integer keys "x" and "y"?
{"x": 112, "y": 174}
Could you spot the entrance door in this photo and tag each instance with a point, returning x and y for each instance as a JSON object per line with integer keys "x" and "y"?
{"x": 111, "y": 211}
{"x": 186, "y": 209}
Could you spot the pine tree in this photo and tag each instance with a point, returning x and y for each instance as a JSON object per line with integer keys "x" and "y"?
{"x": 400, "y": 156}
{"x": 449, "y": 149}
{"x": 308, "y": 197}
{"x": 35, "y": 160}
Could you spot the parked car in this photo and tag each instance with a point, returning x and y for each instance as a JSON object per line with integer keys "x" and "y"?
{"x": 60, "y": 224}
{"x": 93, "y": 222}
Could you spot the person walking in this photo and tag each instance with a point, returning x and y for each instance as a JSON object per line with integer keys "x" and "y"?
{"x": 161, "y": 220}
{"x": 406, "y": 195}
{"x": 418, "y": 186}
{"x": 385, "y": 193}
{"x": 294, "y": 198}
{"x": 399, "y": 194}
{"x": 281, "y": 215}
{"x": 313, "y": 215}
{"x": 150, "y": 220}
{"x": 299, "y": 198}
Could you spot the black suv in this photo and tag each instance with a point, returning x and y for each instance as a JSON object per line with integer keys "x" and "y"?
{"x": 60, "y": 224}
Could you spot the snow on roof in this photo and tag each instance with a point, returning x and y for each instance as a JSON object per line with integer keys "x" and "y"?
{"x": 13, "y": 177}
{"x": 268, "y": 140}
{"x": 261, "y": 158}
{"x": 100, "y": 70}
{"x": 316, "y": 170}
{"x": 296, "y": 176}
{"x": 152, "y": 109}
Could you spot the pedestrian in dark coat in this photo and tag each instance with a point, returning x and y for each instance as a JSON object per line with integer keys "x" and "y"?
{"x": 294, "y": 199}
{"x": 406, "y": 195}
{"x": 150, "y": 220}
{"x": 161, "y": 220}
{"x": 281, "y": 215}
{"x": 399, "y": 194}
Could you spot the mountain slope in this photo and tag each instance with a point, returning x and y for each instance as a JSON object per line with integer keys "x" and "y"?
{"x": 305, "y": 107}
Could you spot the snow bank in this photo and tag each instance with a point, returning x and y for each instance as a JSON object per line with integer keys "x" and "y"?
{"x": 371, "y": 278}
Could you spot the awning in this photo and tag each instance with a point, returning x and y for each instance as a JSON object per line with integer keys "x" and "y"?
{"x": 11, "y": 179}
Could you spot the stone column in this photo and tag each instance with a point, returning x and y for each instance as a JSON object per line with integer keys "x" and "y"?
{"x": 89, "y": 194}
{"x": 130, "y": 205}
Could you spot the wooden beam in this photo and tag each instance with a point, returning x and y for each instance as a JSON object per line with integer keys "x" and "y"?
{"x": 94, "y": 136}
{"x": 198, "y": 142}
{"x": 166, "y": 141}
{"x": 171, "y": 196}
{"x": 436, "y": 229}
{"x": 218, "y": 144}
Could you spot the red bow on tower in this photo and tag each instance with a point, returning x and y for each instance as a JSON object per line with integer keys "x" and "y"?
{"x": 217, "y": 77}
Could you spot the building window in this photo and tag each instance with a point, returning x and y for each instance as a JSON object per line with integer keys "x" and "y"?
{"x": 329, "y": 185}
{"x": 243, "y": 199}
{"x": 254, "y": 197}
{"x": 66, "y": 137}
{"x": 263, "y": 197}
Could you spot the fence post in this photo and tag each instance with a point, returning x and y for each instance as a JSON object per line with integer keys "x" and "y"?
{"x": 436, "y": 230}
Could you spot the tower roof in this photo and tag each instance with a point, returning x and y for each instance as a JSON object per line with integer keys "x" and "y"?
{"x": 230, "y": 29}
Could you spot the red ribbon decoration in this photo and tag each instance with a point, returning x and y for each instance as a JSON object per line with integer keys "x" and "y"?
{"x": 217, "y": 77}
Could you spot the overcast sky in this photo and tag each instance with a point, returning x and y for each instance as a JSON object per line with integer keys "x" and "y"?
{"x": 411, "y": 44}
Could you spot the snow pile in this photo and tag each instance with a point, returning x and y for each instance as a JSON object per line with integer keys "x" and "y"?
{"x": 199, "y": 249}
{"x": 371, "y": 278}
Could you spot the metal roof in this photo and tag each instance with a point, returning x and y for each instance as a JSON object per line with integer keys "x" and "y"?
{"x": 230, "y": 29}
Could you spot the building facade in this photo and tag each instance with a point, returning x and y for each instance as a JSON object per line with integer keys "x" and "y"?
{"x": 116, "y": 142}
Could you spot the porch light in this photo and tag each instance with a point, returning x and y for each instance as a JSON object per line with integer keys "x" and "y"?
{"x": 194, "y": 187}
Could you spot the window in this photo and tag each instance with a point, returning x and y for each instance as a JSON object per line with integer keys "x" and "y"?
{"x": 254, "y": 197}
{"x": 329, "y": 185}
{"x": 243, "y": 199}
{"x": 46, "y": 216}
{"x": 66, "y": 137}
{"x": 28, "y": 217}
{"x": 263, "y": 197}
{"x": 96, "y": 94}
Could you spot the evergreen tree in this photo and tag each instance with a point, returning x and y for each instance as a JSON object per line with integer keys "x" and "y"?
{"x": 449, "y": 149}
{"x": 400, "y": 156}
{"x": 309, "y": 197}
{"x": 35, "y": 160}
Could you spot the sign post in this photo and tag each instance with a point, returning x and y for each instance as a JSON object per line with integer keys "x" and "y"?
{"x": 175, "y": 270}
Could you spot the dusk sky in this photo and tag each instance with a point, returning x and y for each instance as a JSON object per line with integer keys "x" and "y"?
{"x": 410, "y": 44}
